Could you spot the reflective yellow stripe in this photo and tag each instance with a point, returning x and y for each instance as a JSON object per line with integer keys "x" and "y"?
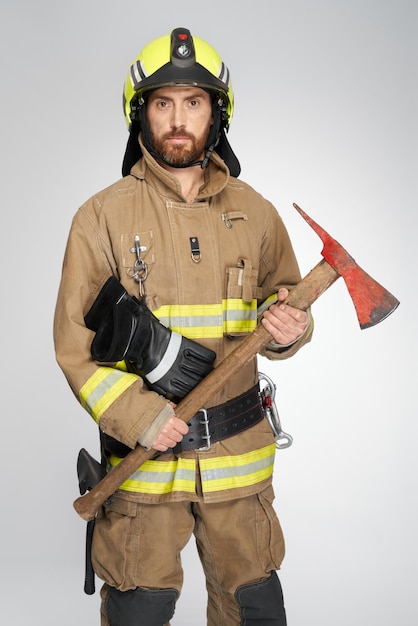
{"x": 226, "y": 472}
{"x": 209, "y": 320}
{"x": 159, "y": 477}
{"x": 267, "y": 302}
{"x": 233, "y": 472}
{"x": 103, "y": 388}
{"x": 239, "y": 316}
{"x": 193, "y": 321}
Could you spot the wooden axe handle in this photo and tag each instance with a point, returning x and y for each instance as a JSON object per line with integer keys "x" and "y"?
{"x": 301, "y": 297}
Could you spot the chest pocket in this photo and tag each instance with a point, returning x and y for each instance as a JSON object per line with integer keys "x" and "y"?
{"x": 242, "y": 295}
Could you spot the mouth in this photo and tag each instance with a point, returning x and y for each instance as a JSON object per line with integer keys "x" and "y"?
{"x": 178, "y": 138}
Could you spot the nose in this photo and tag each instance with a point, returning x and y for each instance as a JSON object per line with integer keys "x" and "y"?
{"x": 178, "y": 116}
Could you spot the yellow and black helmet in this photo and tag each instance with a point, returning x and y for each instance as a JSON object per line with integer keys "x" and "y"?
{"x": 178, "y": 59}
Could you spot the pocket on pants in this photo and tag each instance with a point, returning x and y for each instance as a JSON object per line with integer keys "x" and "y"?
{"x": 115, "y": 545}
{"x": 270, "y": 540}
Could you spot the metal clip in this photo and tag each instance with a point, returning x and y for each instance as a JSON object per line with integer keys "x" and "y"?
{"x": 194, "y": 246}
{"x": 206, "y": 436}
{"x": 139, "y": 271}
{"x": 267, "y": 396}
{"x": 137, "y": 248}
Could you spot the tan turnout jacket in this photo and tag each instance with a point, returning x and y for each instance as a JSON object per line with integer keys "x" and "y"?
{"x": 245, "y": 255}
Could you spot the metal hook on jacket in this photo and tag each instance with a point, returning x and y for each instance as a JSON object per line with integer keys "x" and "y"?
{"x": 139, "y": 271}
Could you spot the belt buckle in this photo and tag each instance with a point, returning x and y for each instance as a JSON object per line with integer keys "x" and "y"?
{"x": 206, "y": 436}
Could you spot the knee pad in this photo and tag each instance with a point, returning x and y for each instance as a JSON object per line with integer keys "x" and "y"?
{"x": 135, "y": 607}
{"x": 261, "y": 603}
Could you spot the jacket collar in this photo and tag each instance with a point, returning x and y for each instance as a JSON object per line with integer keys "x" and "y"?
{"x": 147, "y": 168}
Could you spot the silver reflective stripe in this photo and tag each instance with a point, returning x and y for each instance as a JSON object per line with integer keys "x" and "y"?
{"x": 168, "y": 359}
{"x": 137, "y": 74}
{"x": 102, "y": 389}
{"x": 238, "y": 315}
{"x": 163, "y": 476}
{"x": 190, "y": 321}
{"x": 217, "y": 473}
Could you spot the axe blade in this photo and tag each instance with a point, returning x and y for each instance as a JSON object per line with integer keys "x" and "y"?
{"x": 372, "y": 302}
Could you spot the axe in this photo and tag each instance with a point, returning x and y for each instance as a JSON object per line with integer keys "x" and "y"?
{"x": 372, "y": 302}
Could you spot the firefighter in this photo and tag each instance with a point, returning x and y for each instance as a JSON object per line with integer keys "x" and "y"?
{"x": 165, "y": 272}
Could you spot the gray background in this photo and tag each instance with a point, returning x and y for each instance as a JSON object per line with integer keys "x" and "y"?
{"x": 325, "y": 116}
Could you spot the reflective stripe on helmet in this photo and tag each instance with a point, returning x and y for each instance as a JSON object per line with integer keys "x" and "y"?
{"x": 137, "y": 74}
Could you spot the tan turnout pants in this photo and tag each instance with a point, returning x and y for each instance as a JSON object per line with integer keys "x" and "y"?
{"x": 139, "y": 545}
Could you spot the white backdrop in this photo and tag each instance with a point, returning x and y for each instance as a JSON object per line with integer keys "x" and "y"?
{"x": 325, "y": 116}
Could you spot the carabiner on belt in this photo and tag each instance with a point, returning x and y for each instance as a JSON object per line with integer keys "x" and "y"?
{"x": 267, "y": 397}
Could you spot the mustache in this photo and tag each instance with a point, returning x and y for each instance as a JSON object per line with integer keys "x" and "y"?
{"x": 178, "y": 133}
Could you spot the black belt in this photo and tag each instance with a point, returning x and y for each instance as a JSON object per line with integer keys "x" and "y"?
{"x": 220, "y": 422}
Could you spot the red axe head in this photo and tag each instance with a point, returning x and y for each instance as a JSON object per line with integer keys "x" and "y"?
{"x": 373, "y": 303}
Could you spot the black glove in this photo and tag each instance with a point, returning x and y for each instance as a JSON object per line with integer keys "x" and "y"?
{"x": 126, "y": 329}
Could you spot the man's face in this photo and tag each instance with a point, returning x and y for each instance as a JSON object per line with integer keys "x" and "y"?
{"x": 179, "y": 119}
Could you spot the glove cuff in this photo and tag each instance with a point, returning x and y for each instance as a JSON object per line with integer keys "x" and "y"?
{"x": 110, "y": 294}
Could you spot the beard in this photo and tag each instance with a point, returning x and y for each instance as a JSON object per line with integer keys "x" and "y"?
{"x": 180, "y": 156}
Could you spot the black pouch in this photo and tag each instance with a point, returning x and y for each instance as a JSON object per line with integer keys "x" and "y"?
{"x": 110, "y": 445}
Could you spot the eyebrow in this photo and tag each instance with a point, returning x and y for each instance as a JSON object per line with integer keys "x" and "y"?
{"x": 163, "y": 96}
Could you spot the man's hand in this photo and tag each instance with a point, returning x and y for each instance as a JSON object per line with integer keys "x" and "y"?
{"x": 172, "y": 432}
{"x": 285, "y": 323}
